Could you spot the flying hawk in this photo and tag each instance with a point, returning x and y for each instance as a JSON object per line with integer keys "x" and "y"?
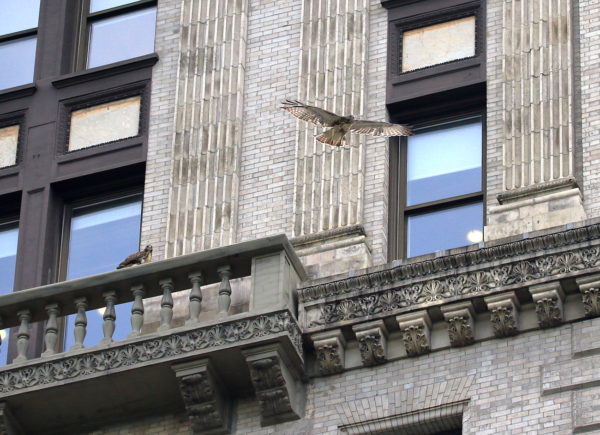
{"x": 141, "y": 257}
{"x": 341, "y": 125}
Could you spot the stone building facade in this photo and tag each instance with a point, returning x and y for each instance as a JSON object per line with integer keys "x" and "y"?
{"x": 283, "y": 296}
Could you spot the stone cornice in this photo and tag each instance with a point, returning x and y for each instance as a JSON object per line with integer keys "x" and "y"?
{"x": 451, "y": 265}
{"x": 453, "y": 278}
{"x": 58, "y": 370}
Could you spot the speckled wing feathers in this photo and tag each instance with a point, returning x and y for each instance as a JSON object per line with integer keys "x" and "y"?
{"x": 311, "y": 114}
{"x": 132, "y": 259}
{"x": 376, "y": 128}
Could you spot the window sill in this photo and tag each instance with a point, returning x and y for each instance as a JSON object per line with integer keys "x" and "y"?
{"x": 95, "y": 150}
{"x": 104, "y": 71}
{"x": 17, "y": 92}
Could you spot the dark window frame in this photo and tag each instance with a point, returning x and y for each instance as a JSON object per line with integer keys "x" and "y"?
{"x": 87, "y": 18}
{"x": 69, "y": 105}
{"x": 440, "y": 77}
{"x": 69, "y": 207}
{"x": 399, "y": 211}
{"x": 22, "y": 34}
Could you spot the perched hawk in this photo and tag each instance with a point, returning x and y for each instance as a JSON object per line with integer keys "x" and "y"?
{"x": 341, "y": 125}
{"x": 141, "y": 257}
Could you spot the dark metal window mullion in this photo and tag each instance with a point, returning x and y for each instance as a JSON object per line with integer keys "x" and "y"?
{"x": 18, "y": 35}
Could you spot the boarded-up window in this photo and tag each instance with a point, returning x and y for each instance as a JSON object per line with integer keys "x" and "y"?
{"x": 439, "y": 43}
{"x": 9, "y": 136}
{"x": 104, "y": 123}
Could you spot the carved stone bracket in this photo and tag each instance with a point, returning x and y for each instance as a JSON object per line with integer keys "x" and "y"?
{"x": 278, "y": 389}
{"x": 589, "y": 286}
{"x": 548, "y": 299}
{"x": 461, "y": 326}
{"x": 416, "y": 332}
{"x": 372, "y": 342}
{"x": 8, "y": 424}
{"x": 329, "y": 348}
{"x": 504, "y": 313}
{"x": 207, "y": 407}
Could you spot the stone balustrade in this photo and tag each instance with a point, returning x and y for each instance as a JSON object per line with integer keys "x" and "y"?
{"x": 158, "y": 365}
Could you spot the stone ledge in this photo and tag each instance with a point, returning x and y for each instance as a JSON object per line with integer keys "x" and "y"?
{"x": 72, "y": 367}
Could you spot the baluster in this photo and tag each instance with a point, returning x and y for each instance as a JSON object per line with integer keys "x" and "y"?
{"x": 137, "y": 311}
{"x": 224, "y": 299}
{"x": 195, "y": 298}
{"x": 51, "y": 331}
{"x": 23, "y": 335}
{"x": 80, "y": 323}
{"x": 109, "y": 316}
{"x": 166, "y": 304}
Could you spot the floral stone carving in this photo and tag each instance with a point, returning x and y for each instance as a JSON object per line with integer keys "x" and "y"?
{"x": 589, "y": 286}
{"x": 42, "y": 373}
{"x": 277, "y": 390}
{"x": 372, "y": 342}
{"x": 416, "y": 330}
{"x": 460, "y": 324}
{"x": 503, "y": 314}
{"x": 396, "y": 289}
{"x": 205, "y": 403}
{"x": 548, "y": 299}
{"x": 329, "y": 349}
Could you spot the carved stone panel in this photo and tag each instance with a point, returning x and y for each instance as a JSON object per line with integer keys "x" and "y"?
{"x": 279, "y": 392}
{"x": 205, "y": 403}
{"x": 548, "y": 299}
{"x": 8, "y": 424}
{"x": 589, "y": 287}
{"x": 504, "y": 314}
{"x": 329, "y": 348}
{"x": 461, "y": 325}
{"x": 372, "y": 342}
{"x": 416, "y": 332}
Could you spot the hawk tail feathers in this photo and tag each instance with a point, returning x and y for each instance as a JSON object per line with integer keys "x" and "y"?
{"x": 333, "y": 136}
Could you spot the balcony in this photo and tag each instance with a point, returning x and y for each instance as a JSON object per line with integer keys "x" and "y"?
{"x": 200, "y": 366}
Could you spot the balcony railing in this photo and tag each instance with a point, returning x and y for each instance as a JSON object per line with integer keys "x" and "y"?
{"x": 228, "y": 344}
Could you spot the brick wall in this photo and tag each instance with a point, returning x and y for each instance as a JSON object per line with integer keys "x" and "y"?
{"x": 162, "y": 117}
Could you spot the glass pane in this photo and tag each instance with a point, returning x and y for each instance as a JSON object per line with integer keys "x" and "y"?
{"x": 439, "y": 43}
{"x": 444, "y": 229}
{"x": 444, "y": 161}
{"x": 17, "y": 59}
{"x": 100, "y": 5}
{"x": 100, "y": 238}
{"x": 9, "y": 235}
{"x": 121, "y": 37}
{"x": 18, "y": 15}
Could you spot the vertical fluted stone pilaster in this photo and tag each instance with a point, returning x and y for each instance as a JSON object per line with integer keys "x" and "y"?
{"x": 137, "y": 311}
{"x": 538, "y": 99}
{"x": 51, "y": 330}
{"x": 539, "y": 186}
{"x": 329, "y": 181}
{"x": 166, "y": 304}
{"x": 195, "y": 298}
{"x": 206, "y": 145}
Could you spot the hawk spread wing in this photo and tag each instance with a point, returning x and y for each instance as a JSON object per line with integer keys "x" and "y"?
{"x": 312, "y": 114}
{"x": 376, "y": 128}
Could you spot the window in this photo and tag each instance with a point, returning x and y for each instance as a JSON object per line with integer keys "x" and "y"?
{"x": 441, "y": 201}
{"x": 98, "y": 237}
{"x": 9, "y": 139}
{"x": 118, "y": 30}
{"x": 9, "y": 234}
{"x": 18, "y": 39}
